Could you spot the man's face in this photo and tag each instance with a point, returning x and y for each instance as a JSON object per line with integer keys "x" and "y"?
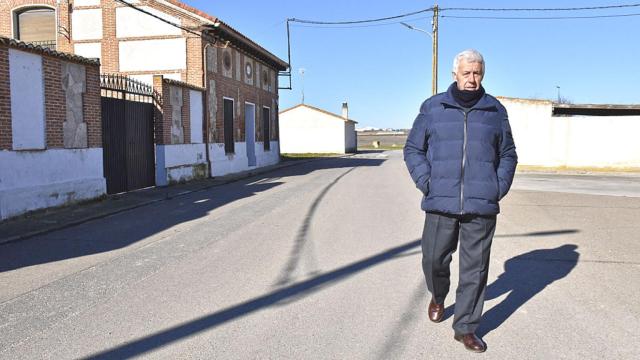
{"x": 468, "y": 75}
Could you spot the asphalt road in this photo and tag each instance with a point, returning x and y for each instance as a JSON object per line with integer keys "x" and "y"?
{"x": 321, "y": 261}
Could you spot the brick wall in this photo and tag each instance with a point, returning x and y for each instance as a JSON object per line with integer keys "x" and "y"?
{"x": 55, "y": 105}
{"x": 242, "y": 92}
{"x": 163, "y": 123}
{"x": 55, "y": 98}
{"x": 7, "y": 8}
{"x": 6, "y": 141}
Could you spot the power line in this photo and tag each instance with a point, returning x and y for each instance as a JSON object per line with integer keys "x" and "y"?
{"x": 545, "y": 9}
{"x": 538, "y": 18}
{"x": 359, "y": 21}
{"x": 159, "y": 18}
{"x": 318, "y": 22}
{"x": 319, "y": 26}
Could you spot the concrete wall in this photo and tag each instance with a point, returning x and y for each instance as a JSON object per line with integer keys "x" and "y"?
{"x": 163, "y": 54}
{"x": 305, "y": 130}
{"x": 27, "y": 100}
{"x": 350, "y": 137}
{"x": 223, "y": 164}
{"x": 571, "y": 141}
{"x": 180, "y": 163}
{"x": 50, "y": 129}
{"x": 40, "y": 179}
{"x": 133, "y": 23}
{"x": 87, "y": 24}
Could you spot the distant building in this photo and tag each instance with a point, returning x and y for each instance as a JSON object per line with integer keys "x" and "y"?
{"x": 550, "y": 134}
{"x": 307, "y": 129}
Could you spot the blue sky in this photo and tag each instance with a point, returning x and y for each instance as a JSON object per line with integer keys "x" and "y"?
{"x": 384, "y": 72}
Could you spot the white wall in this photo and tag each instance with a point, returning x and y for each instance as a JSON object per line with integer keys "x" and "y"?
{"x": 148, "y": 78}
{"x": 86, "y": 24}
{"x": 166, "y": 54}
{"x": 351, "y": 139}
{"x": 195, "y": 114}
{"x": 88, "y": 50}
{"x": 27, "y": 100}
{"x": 180, "y": 162}
{"x": 40, "y": 179}
{"x": 77, "y": 3}
{"x": 573, "y": 141}
{"x": 304, "y": 130}
{"x": 224, "y": 164}
{"x": 133, "y": 23}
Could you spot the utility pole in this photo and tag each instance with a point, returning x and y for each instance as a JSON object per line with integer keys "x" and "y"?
{"x": 302, "y": 70}
{"x": 434, "y": 61}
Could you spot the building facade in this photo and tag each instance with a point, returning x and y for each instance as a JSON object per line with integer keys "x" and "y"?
{"x": 143, "y": 38}
{"x": 307, "y": 129}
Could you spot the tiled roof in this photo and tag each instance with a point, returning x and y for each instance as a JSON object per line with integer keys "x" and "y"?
{"x": 16, "y": 44}
{"x": 319, "y": 110}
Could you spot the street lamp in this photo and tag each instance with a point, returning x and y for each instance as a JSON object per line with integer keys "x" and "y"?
{"x": 434, "y": 43}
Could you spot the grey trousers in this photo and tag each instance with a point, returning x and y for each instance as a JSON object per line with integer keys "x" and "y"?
{"x": 440, "y": 238}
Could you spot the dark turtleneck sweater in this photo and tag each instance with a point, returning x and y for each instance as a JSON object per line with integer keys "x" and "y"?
{"x": 466, "y": 98}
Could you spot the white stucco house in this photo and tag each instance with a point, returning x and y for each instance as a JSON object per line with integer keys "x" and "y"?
{"x": 307, "y": 129}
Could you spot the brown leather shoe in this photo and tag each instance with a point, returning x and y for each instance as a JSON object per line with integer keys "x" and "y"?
{"x": 471, "y": 342}
{"x": 436, "y": 311}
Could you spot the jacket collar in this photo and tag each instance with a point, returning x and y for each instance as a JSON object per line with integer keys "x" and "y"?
{"x": 485, "y": 102}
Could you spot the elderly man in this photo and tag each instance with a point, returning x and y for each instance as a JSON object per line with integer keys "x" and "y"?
{"x": 461, "y": 155}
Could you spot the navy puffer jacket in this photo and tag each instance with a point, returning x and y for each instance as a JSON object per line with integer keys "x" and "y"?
{"x": 463, "y": 162}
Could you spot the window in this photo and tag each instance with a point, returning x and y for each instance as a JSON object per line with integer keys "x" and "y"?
{"x": 229, "y": 146}
{"x": 36, "y": 25}
{"x": 266, "y": 128}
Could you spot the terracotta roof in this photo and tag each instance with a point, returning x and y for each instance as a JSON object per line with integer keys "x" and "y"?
{"x": 226, "y": 31}
{"x": 182, "y": 84}
{"x": 17, "y": 44}
{"x": 319, "y": 110}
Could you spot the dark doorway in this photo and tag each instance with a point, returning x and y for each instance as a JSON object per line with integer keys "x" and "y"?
{"x": 229, "y": 146}
{"x": 127, "y": 134}
{"x": 266, "y": 128}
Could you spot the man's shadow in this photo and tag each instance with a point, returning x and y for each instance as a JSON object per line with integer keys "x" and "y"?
{"x": 523, "y": 278}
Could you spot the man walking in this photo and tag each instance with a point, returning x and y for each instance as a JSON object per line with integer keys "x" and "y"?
{"x": 461, "y": 155}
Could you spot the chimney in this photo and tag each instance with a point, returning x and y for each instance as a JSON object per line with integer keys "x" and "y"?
{"x": 345, "y": 110}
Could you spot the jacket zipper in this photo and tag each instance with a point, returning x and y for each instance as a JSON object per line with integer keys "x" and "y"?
{"x": 464, "y": 157}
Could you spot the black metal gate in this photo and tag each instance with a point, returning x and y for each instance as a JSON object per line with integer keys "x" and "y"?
{"x": 128, "y": 108}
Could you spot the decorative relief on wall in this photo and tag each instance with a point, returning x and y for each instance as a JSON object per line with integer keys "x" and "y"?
{"x": 74, "y": 85}
{"x": 227, "y": 63}
{"x": 177, "y": 130}
{"x": 212, "y": 108}
{"x": 238, "y": 67}
{"x": 212, "y": 59}
{"x": 248, "y": 71}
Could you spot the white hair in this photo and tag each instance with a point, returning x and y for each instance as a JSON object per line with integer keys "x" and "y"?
{"x": 470, "y": 56}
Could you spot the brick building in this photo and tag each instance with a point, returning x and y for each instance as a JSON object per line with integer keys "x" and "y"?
{"x": 143, "y": 38}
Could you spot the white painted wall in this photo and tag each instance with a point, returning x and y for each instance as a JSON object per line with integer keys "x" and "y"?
{"x": 40, "y": 179}
{"x": 351, "y": 139}
{"x": 224, "y": 164}
{"x": 179, "y": 162}
{"x": 148, "y": 78}
{"x": 88, "y": 50}
{"x": 305, "y": 130}
{"x": 141, "y": 55}
{"x": 27, "y": 100}
{"x": 195, "y": 114}
{"x": 86, "y": 24}
{"x": 77, "y": 3}
{"x": 572, "y": 141}
{"x": 133, "y": 23}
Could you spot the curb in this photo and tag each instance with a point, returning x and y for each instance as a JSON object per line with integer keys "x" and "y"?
{"x": 223, "y": 180}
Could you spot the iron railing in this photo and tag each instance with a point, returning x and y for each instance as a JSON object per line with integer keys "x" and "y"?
{"x": 123, "y": 87}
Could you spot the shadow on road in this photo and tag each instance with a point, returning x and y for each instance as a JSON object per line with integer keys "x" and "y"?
{"x": 295, "y": 291}
{"x": 124, "y": 229}
{"x": 301, "y": 241}
{"x": 524, "y": 277}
